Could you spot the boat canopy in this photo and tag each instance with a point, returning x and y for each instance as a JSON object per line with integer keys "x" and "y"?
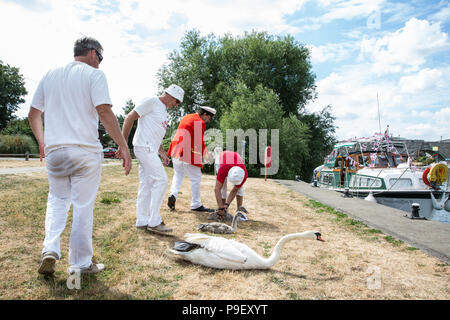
{"x": 344, "y": 144}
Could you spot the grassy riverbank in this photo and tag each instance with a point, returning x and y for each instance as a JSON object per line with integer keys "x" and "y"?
{"x": 355, "y": 262}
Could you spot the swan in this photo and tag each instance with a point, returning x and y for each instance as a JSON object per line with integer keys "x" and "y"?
{"x": 222, "y": 228}
{"x": 222, "y": 253}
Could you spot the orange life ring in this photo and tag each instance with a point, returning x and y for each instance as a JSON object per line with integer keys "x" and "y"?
{"x": 425, "y": 176}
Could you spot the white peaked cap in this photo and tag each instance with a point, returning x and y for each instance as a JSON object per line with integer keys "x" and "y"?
{"x": 175, "y": 91}
{"x": 209, "y": 109}
{"x": 236, "y": 175}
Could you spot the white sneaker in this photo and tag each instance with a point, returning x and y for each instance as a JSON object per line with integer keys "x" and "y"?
{"x": 92, "y": 269}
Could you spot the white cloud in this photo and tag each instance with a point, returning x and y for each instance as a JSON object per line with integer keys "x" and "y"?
{"x": 423, "y": 80}
{"x": 423, "y": 112}
{"x": 334, "y": 52}
{"x": 349, "y": 10}
{"x": 405, "y": 49}
{"x": 443, "y": 15}
{"x": 137, "y": 36}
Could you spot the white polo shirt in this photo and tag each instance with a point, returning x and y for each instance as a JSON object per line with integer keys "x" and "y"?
{"x": 68, "y": 97}
{"x": 152, "y": 124}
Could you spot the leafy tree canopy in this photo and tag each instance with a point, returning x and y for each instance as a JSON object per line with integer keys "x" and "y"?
{"x": 255, "y": 81}
{"x": 210, "y": 68}
{"x": 12, "y": 89}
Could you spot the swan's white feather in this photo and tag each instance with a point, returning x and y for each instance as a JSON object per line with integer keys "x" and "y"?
{"x": 222, "y": 253}
{"x": 227, "y": 249}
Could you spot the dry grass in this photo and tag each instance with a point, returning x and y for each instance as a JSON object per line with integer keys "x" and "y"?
{"x": 140, "y": 267}
{"x": 21, "y": 163}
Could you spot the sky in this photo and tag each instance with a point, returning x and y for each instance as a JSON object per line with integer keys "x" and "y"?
{"x": 378, "y": 63}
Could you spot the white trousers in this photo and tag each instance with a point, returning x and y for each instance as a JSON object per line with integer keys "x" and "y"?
{"x": 180, "y": 169}
{"x": 74, "y": 177}
{"x": 153, "y": 183}
{"x": 223, "y": 191}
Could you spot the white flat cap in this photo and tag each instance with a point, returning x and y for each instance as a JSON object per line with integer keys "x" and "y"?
{"x": 175, "y": 91}
{"x": 209, "y": 109}
{"x": 236, "y": 175}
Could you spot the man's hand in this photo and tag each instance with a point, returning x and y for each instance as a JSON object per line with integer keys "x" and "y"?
{"x": 165, "y": 159}
{"x": 124, "y": 154}
{"x": 41, "y": 151}
{"x": 207, "y": 157}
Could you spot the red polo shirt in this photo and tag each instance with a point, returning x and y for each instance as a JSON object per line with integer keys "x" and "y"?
{"x": 227, "y": 160}
{"x": 188, "y": 142}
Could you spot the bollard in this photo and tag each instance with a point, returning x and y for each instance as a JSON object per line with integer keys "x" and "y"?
{"x": 27, "y": 156}
{"x": 415, "y": 208}
{"x": 347, "y": 193}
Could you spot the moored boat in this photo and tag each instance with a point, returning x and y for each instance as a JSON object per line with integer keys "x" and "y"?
{"x": 380, "y": 170}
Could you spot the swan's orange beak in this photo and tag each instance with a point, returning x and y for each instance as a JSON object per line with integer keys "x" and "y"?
{"x": 320, "y": 238}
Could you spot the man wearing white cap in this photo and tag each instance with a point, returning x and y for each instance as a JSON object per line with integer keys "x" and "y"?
{"x": 187, "y": 150}
{"x": 232, "y": 168}
{"x": 152, "y": 124}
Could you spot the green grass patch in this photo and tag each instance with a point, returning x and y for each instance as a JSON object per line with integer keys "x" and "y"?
{"x": 266, "y": 247}
{"x": 109, "y": 197}
{"x": 393, "y": 241}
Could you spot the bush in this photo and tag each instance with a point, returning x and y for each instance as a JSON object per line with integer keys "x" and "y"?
{"x": 17, "y": 144}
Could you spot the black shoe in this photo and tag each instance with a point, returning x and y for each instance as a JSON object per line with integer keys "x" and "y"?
{"x": 202, "y": 209}
{"x": 171, "y": 202}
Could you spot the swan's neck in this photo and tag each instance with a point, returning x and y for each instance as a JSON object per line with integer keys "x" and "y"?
{"x": 234, "y": 222}
{"x": 269, "y": 262}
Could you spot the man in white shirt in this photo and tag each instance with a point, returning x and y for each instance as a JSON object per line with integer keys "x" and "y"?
{"x": 152, "y": 124}
{"x": 73, "y": 98}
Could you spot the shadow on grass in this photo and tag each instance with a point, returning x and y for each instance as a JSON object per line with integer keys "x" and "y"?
{"x": 91, "y": 288}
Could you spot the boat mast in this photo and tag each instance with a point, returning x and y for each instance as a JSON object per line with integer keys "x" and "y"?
{"x": 379, "y": 121}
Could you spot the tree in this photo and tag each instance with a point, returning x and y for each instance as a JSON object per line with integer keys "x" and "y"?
{"x": 12, "y": 89}
{"x": 241, "y": 77}
{"x": 129, "y": 106}
{"x": 261, "y": 109}
{"x": 209, "y": 68}
{"x": 322, "y": 139}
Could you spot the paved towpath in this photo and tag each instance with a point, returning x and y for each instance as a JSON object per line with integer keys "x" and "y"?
{"x": 430, "y": 236}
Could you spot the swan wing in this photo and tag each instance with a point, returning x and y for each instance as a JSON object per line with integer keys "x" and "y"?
{"x": 231, "y": 254}
{"x": 224, "y": 248}
{"x": 197, "y": 238}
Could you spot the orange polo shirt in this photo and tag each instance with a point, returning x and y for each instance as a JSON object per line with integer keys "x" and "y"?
{"x": 188, "y": 143}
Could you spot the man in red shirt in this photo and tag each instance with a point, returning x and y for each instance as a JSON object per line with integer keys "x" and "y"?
{"x": 232, "y": 168}
{"x": 187, "y": 149}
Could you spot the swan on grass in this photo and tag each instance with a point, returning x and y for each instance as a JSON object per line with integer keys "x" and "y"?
{"x": 222, "y": 228}
{"x": 222, "y": 253}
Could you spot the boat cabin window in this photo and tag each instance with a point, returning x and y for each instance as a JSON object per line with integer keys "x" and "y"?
{"x": 400, "y": 183}
{"x": 365, "y": 182}
{"x": 391, "y": 161}
{"x": 399, "y": 159}
{"x": 363, "y": 160}
{"x": 338, "y": 162}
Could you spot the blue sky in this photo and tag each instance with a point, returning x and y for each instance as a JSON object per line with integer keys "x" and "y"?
{"x": 398, "y": 50}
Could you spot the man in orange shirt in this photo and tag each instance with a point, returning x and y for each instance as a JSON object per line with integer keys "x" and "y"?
{"x": 187, "y": 150}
